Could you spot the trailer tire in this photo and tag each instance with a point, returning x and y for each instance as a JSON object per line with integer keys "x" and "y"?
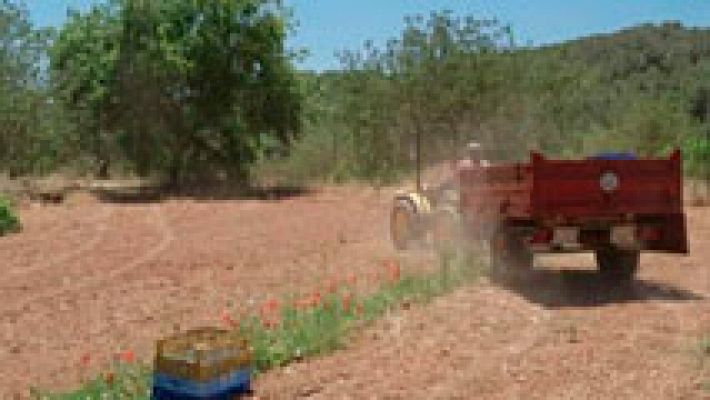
{"x": 618, "y": 264}
{"x": 403, "y": 224}
{"x": 509, "y": 257}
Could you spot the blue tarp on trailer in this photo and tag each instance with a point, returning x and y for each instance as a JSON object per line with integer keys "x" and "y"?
{"x": 613, "y": 156}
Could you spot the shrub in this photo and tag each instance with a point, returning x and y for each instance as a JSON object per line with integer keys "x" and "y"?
{"x": 8, "y": 220}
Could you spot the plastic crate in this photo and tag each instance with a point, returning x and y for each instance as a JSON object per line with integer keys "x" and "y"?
{"x": 227, "y": 387}
{"x": 205, "y": 363}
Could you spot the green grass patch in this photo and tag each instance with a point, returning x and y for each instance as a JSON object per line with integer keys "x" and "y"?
{"x": 120, "y": 381}
{"x": 705, "y": 346}
{"x": 703, "y": 353}
{"x": 301, "y": 332}
{"x": 8, "y": 220}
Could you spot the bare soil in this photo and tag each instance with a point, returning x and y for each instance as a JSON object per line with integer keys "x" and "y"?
{"x": 562, "y": 333}
{"x": 91, "y": 277}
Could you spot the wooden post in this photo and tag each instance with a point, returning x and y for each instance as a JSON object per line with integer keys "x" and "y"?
{"x": 707, "y": 158}
{"x": 419, "y": 159}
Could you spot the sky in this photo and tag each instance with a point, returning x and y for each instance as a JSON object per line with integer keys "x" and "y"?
{"x": 327, "y": 26}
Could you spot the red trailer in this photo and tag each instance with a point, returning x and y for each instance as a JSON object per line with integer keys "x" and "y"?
{"x": 614, "y": 205}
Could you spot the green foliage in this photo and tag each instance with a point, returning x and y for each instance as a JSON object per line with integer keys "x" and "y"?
{"x": 428, "y": 85}
{"x": 311, "y": 332}
{"x": 705, "y": 346}
{"x": 192, "y": 89}
{"x": 23, "y": 144}
{"x": 184, "y": 88}
{"x": 124, "y": 381}
{"x": 189, "y": 89}
{"x": 703, "y": 353}
{"x": 83, "y": 61}
{"x": 8, "y": 220}
{"x": 697, "y": 153}
{"x": 451, "y": 79}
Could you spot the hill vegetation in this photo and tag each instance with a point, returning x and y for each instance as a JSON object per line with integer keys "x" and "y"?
{"x": 448, "y": 80}
{"x": 193, "y": 90}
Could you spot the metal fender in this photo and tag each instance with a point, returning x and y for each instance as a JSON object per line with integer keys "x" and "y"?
{"x": 420, "y": 202}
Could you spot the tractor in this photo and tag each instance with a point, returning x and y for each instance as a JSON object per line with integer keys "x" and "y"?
{"x": 615, "y": 205}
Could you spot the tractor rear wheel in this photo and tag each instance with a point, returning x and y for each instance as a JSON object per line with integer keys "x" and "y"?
{"x": 403, "y": 224}
{"x": 618, "y": 264}
{"x": 446, "y": 230}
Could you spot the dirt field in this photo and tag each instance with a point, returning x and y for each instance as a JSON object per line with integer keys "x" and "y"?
{"x": 94, "y": 278}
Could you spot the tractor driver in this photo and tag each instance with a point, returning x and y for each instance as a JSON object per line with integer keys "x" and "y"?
{"x": 474, "y": 156}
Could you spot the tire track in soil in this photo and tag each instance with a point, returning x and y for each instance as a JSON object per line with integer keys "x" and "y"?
{"x": 39, "y": 241}
{"x": 67, "y": 256}
{"x": 196, "y": 287}
{"x": 121, "y": 286}
{"x": 70, "y": 330}
{"x": 201, "y": 287}
{"x": 88, "y": 283}
{"x": 208, "y": 235}
{"x": 46, "y": 229}
{"x": 63, "y": 346}
{"x": 46, "y": 226}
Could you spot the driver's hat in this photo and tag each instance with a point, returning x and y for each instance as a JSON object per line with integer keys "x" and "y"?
{"x": 473, "y": 146}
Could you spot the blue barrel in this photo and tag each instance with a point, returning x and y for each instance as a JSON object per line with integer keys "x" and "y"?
{"x": 228, "y": 387}
{"x": 202, "y": 364}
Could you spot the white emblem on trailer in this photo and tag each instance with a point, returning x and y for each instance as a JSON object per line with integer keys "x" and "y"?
{"x": 609, "y": 181}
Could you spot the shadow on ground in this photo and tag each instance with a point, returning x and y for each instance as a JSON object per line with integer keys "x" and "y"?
{"x": 155, "y": 194}
{"x": 578, "y": 288}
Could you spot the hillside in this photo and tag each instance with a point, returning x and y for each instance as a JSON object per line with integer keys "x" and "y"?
{"x": 646, "y": 85}
{"x": 644, "y": 89}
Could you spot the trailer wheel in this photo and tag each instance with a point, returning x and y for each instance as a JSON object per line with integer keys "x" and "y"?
{"x": 403, "y": 226}
{"x": 509, "y": 255}
{"x": 618, "y": 264}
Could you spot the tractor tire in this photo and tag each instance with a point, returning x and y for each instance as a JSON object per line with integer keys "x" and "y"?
{"x": 446, "y": 231}
{"x": 509, "y": 257}
{"x": 618, "y": 264}
{"x": 404, "y": 228}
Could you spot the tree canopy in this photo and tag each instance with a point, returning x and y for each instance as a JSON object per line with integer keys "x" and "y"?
{"x": 180, "y": 87}
{"x": 21, "y": 98}
{"x": 448, "y": 79}
{"x": 188, "y": 89}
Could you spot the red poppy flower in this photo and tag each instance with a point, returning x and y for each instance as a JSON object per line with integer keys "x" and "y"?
{"x": 269, "y": 322}
{"x": 345, "y": 301}
{"x": 359, "y": 309}
{"x": 226, "y": 319}
{"x": 332, "y": 286}
{"x": 393, "y": 270}
{"x": 351, "y": 279}
{"x": 315, "y": 299}
{"x": 85, "y": 360}
{"x": 270, "y": 307}
{"x": 374, "y": 278}
{"x": 126, "y": 356}
{"x": 108, "y": 378}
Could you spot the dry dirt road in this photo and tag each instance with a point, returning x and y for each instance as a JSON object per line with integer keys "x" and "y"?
{"x": 95, "y": 278}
